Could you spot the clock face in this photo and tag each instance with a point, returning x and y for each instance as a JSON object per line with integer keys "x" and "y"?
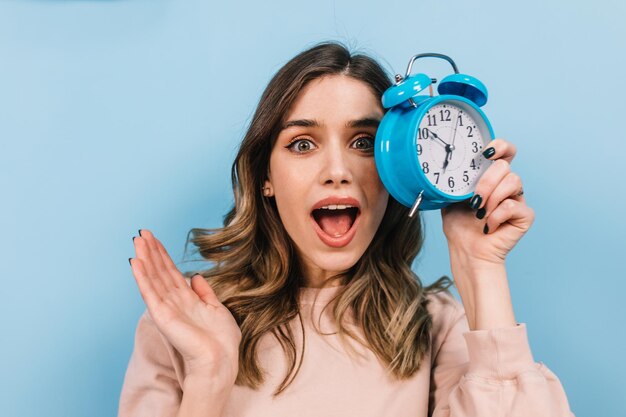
{"x": 450, "y": 142}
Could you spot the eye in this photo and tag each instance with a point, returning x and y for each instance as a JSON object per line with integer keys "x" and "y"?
{"x": 301, "y": 145}
{"x": 364, "y": 143}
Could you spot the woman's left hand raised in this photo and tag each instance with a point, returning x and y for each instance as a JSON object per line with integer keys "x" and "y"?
{"x": 499, "y": 200}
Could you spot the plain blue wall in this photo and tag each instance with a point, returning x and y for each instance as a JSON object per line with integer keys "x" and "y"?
{"x": 120, "y": 115}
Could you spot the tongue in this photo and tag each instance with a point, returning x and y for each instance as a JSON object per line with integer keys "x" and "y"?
{"x": 335, "y": 223}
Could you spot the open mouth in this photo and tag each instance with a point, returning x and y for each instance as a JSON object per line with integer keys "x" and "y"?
{"x": 335, "y": 220}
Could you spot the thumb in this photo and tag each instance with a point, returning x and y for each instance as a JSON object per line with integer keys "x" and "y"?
{"x": 204, "y": 290}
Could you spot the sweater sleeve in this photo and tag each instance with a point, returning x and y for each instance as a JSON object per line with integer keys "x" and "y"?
{"x": 491, "y": 373}
{"x": 152, "y": 385}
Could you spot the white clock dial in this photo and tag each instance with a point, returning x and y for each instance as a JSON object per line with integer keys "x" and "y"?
{"x": 450, "y": 142}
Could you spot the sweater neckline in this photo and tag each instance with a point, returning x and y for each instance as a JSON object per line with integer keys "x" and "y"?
{"x": 310, "y": 295}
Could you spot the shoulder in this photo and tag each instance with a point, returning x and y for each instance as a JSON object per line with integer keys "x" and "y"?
{"x": 443, "y": 306}
{"x": 447, "y": 314}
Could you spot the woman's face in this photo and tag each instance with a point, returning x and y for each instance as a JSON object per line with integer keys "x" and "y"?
{"x": 323, "y": 175}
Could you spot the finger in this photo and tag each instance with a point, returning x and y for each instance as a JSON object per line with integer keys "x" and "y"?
{"x": 489, "y": 181}
{"x": 502, "y": 150}
{"x": 157, "y": 259}
{"x": 508, "y": 187}
{"x": 177, "y": 278}
{"x": 204, "y": 290}
{"x": 146, "y": 289}
{"x": 144, "y": 254}
{"x": 511, "y": 213}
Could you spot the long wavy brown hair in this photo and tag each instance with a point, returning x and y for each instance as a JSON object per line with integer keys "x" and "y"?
{"x": 255, "y": 270}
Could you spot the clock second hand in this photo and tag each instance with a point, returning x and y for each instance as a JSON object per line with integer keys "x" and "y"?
{"x": 455, "y": 127}
{"x": 449, "y": 149}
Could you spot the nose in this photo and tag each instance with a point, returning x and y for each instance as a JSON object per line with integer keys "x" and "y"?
{"x": 336, "y": 168}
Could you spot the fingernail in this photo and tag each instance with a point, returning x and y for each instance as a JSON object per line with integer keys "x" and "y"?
{"x": 475, "y": 201}
{"x": 481, "y": 213}
{"x": 489, "y": 152}
{"x": 139, "y": 232}
{"x": 486, "y": 229}
{"x": 129, "y": 261}
{"x": 134, "y": 238}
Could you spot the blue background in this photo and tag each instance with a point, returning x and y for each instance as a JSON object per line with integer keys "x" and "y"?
{"x": 120, "y": 115}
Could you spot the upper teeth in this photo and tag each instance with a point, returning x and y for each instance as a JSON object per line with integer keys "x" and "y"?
{"x": 336, "y": 207}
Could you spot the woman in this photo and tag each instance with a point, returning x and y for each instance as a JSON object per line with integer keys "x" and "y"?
{"x": 311, "y": 307}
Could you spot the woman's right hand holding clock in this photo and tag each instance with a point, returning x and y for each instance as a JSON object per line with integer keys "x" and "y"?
{"x": 192, "y": 319}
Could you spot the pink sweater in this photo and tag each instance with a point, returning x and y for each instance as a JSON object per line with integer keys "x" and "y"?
{"x": 468, "y": 373}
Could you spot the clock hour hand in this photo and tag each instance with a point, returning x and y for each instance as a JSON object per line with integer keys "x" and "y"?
{"x": 449, "y": 148}
{"x": 436, "y": 137}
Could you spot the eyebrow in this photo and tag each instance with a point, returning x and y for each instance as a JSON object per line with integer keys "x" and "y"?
{"x": 301, "y": 123}
{"x": 364, "y": 122}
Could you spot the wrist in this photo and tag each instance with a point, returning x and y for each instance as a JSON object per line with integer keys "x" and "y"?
{"x": 484, "y": 290}
{"x": 207, "y": 384}
{"x": 475, "y": 268}
{"x": 208, "y": 374}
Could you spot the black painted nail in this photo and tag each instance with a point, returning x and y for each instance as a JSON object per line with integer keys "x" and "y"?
{"x": 486, "y": 229}
{"x": 140, "y": 232}
{"x": 475, "y": 201}
{"x": 481, "y": 213}
{"x": 489, "y": 152}
{"x": 129, "y": 261}
{"x": 134, "y": 238}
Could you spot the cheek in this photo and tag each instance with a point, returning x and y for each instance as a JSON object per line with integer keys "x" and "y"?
{"x": 375, "y": 188}
{"x": 289, "y": 185}
{"x": 376, "y": 194}
{"x": 380, "y": 204}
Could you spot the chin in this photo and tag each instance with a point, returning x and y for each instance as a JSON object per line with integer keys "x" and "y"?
{"x": 335, "y": 261}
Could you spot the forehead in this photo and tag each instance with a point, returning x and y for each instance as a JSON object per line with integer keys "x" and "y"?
{"x": 335, "y": 98}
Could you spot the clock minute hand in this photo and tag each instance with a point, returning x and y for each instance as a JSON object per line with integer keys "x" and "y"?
{"x": 449, "y": 149}
{"x": 445, "y": 162}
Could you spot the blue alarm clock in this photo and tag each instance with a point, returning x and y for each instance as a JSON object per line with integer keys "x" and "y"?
{"x": 428, "y": 149}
